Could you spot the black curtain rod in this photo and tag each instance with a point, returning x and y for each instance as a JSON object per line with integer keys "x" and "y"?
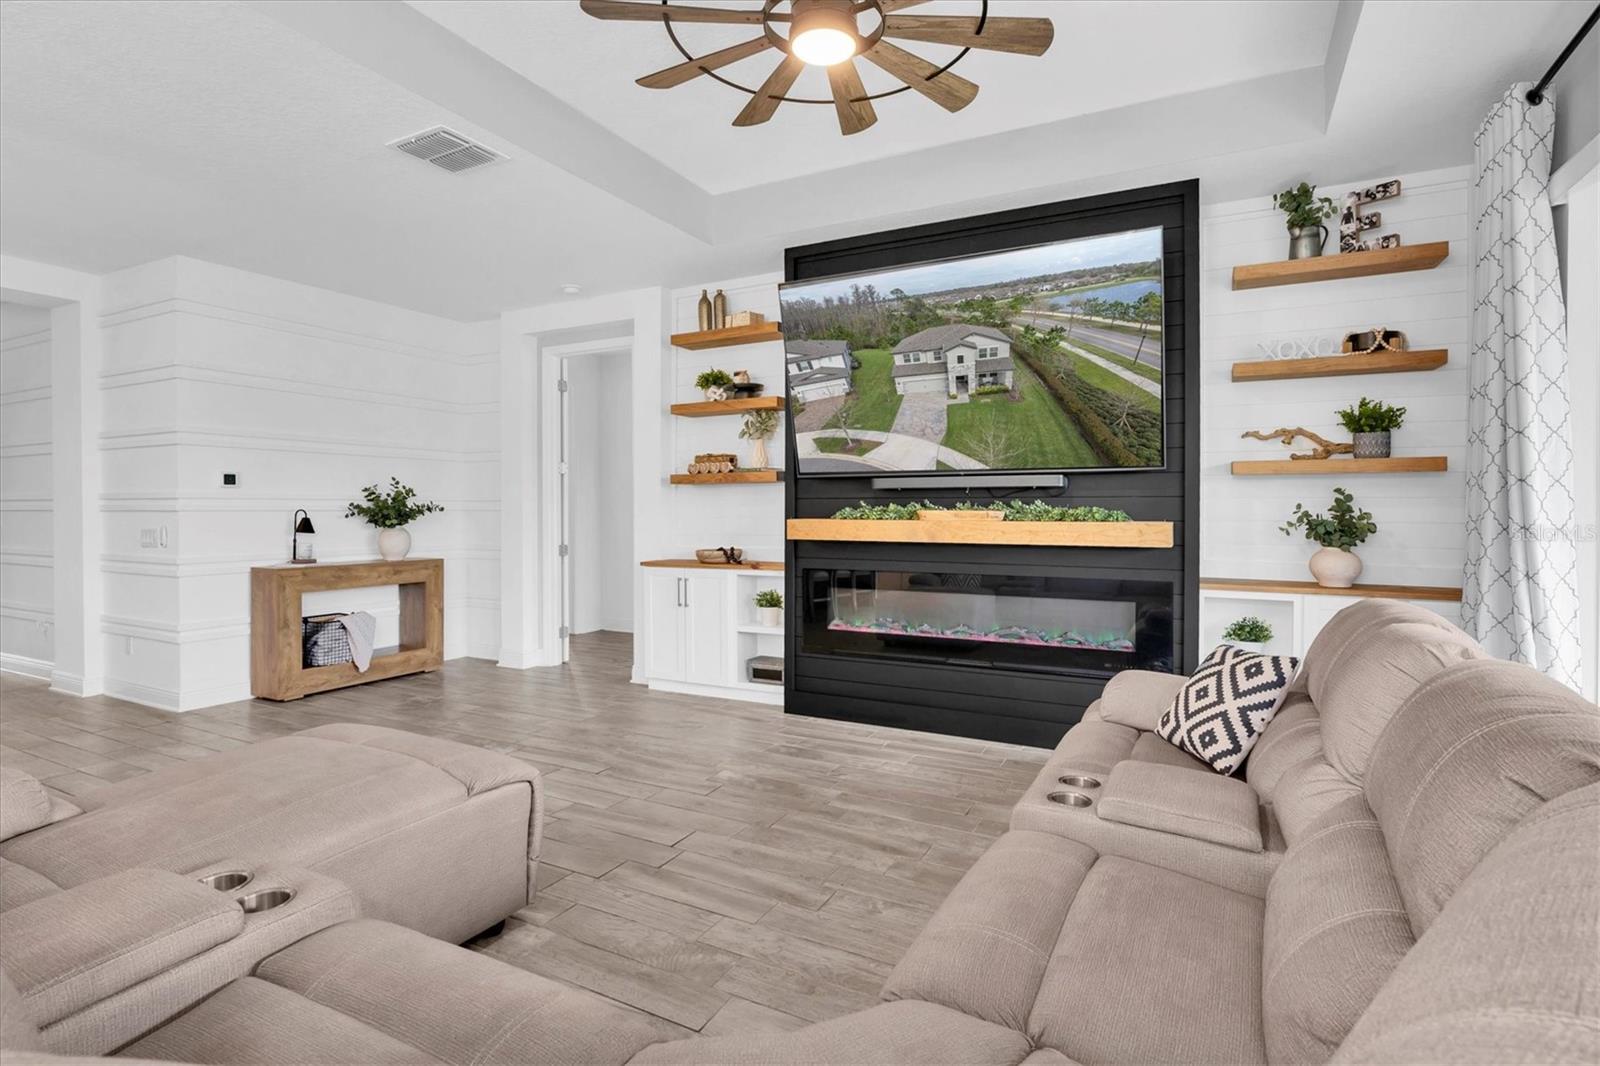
{"x": 1536, "y": 94}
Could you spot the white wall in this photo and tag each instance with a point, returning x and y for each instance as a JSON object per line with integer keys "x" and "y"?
{"x": 1421, "y": 537}
{"x": 601, "y": 491}
{"x": 306, "y": 395}
{"x": 27, "y": 615}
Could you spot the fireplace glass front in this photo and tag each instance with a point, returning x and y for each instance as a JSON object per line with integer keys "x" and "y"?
{"x": 1069, "y": 624}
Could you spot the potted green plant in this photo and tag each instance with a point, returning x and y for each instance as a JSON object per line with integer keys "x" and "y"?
{"x": 713, "y": 383}
{"x": 769, "y": 607}
{"x": 1370, "y": 423}
{"x": 390, "y": 513}
{"x": 758, "y": 427}
{"x": 1249, "y": 632}
{"x": 1334, "y": 565}
{"x": 1303, "y": 213}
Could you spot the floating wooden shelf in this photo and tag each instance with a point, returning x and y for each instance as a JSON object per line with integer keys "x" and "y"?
{"x": 744, "y": 405}
{"x": 1034, "y": 534}
{"x": 696, "y": 564}
{"x": 1374, "y": 592}
{"x": 732, "y": 477}
{"x": 1347, "y": 265}
{"x": 1409, "y": 464}
{"x": 726, "y": 338}
{"x": 1333, "y": 366}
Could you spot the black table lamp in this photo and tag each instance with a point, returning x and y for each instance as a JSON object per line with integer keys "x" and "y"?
{"x": 304, "y": 534}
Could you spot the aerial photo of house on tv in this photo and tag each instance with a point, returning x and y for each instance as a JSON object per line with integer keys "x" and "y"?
{"x": 1043, "y": 358}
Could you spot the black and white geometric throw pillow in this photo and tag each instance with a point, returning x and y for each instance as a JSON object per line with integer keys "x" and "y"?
{"x": 1218, "y": 716}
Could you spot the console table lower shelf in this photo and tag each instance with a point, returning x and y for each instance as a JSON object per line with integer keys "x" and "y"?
{"x": 276, "y": 655}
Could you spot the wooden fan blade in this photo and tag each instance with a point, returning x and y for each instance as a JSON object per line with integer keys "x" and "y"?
{"x": 891, "y": 6}
{"x": 621, "y": 9}
{"x": 1029, "y": 37}
{"x": 855, "y": 114}
{"x": 666, "y": 79}
{"x": 765, "y": 101}
{"x": 947, "y": 90}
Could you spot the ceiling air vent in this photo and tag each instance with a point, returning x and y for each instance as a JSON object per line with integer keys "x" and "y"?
{"x": 447, "y": 150}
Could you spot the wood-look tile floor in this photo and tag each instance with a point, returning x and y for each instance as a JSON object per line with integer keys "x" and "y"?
{"x": 717, "y": 865}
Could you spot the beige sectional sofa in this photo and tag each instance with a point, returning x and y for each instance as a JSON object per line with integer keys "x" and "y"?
{"x": 1422, "y": 884}
{"x": 434, "y": 835}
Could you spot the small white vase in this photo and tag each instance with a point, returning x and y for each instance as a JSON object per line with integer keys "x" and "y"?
{"x": 758, "y": 454}
{"x": 393, "y": 544}
{"x": 1335, "y": 568}
{"x": 770, "y": 616}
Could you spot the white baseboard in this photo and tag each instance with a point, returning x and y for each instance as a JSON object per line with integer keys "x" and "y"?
{"x": 21, "y": 664}
{"x": 69, "y": 683}
{"x": 166, "y": 699}
{"x": 771, "y": 695}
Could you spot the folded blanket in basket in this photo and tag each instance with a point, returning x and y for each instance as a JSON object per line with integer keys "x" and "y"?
{"x": 363, "y": 630}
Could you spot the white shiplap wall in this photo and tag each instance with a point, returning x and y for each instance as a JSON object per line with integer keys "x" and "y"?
{"x": 710, "y": 516}
{"x": 27, "y": 610}
{"x": 306, "y": 395}
{"x": 1421, "y": 538}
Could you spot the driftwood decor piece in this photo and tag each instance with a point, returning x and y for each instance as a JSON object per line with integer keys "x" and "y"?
{"x": 1322, "y": 447}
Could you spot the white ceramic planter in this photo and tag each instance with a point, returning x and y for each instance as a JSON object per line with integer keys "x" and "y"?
{"x": 769, "y": 616}
{"x": 1250, "y": 645}
{"x": 393, "y": 544}
{"x": 1335, "y": 568}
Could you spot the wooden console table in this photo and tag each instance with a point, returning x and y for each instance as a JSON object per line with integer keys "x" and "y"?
{"x": 275, "y": 612}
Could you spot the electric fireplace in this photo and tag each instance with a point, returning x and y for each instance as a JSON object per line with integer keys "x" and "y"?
{"x": 1039, "y": 623}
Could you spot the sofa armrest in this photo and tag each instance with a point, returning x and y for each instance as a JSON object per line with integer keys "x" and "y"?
{"x": 1191, "y": 803}
{"x": 85, "y": 943}
{"x": 1138, "y": 698}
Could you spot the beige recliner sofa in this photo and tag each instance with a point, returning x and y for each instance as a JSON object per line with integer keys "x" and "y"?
{"x": 434, "y": 835}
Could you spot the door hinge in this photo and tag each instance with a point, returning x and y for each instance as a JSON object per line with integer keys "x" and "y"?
{"x": 561, "y": 384}
{"x": 564, "y": 632}
{"x": 564, "y": 551}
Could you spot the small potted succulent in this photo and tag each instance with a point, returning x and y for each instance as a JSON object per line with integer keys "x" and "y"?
{"x": 1250, "y": 633}
{"x": 714, "y": 384}
{"x": 389, "y": 513}
{"x": 1334, "y": 565}
{"x": 1370, "y": 422}
{"x": 1303, "y": 213}
{"x": 769, "y": 607}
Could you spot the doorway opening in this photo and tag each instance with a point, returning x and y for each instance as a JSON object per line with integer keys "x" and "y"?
{"x": 596, "y": 504}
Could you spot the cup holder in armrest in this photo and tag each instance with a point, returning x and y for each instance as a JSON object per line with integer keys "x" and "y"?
{"x": 265, "y": 900}
{"x": 1070, "y": 799}
{"x": 226, "y": 880}
{"x": 1077, "y": 781}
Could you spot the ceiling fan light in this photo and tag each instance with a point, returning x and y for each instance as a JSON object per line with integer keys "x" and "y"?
{"x": 823, "y": 46}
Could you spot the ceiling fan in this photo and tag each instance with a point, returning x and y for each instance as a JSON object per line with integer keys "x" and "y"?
{"x": 828, "y": 33}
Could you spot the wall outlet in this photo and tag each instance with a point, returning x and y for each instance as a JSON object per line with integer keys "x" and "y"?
{"x": 230, "y": 480}
{"x": 149, "y": 538}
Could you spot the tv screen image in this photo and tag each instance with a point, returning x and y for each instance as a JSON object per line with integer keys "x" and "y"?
{"x": 1047, "y": 358}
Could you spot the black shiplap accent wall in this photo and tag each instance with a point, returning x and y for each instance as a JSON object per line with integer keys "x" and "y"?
{"x": 1006, "y": 705}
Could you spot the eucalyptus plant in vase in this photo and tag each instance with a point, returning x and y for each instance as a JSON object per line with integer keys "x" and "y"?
{"x": 758, "y": 428}
{"x": 1334, "y": 565}
{"x": 1303, "y": 213}
{"x": 390, "y": 513}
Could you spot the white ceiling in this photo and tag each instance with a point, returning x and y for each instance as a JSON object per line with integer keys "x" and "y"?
{"x": 253, "y": 133}
{"x": 1107, "y": 54}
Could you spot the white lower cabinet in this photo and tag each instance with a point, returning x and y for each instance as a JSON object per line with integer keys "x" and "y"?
{"x": 699, "y": 631}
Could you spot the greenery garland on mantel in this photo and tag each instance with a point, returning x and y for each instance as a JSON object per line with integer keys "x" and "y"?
{"x": 1010, "y": 510}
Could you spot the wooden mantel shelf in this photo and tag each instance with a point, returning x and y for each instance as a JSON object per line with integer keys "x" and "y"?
{"x": 1333, "y": 366}
{"x": 726, "y": 338}
{"x": 1436, "y": 593}
{"x": 1031, "y": 534}
{"x": 1341, "y": 265}
{"x": 1403, "y": 464}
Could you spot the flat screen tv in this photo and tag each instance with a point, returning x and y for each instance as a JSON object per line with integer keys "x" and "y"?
{"x": 1038, "y": 359}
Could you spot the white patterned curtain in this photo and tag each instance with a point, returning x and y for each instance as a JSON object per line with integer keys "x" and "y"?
{"x": 1520, "y": 594}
